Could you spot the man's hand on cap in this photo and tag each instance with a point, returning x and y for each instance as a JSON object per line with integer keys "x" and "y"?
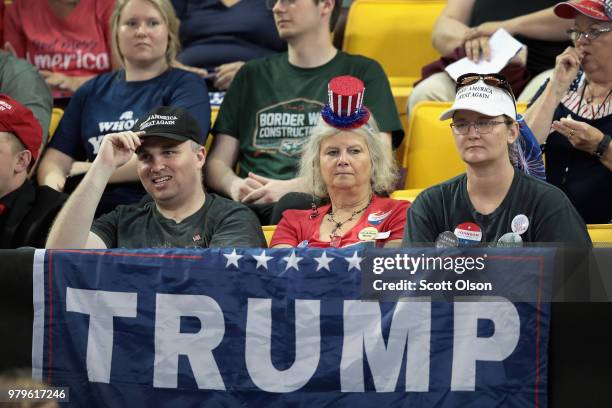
{"x": 118, "y": 148}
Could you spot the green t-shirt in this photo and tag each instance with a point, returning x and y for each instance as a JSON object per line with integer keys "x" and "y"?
{"x": 219, "y": 223}
{"x": 447, "y": 207}
{"x": 272, "y": 106}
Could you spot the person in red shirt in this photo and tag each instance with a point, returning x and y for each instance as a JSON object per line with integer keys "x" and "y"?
{"x": 350, "y": 165}
{"x": 67, "y": 40}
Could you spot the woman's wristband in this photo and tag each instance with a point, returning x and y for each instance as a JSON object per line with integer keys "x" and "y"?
{"x": 602, "y": 146}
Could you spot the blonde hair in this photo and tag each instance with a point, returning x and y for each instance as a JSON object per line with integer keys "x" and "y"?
{"x": 384, "y": 169}
{"x": 168, "y": 14}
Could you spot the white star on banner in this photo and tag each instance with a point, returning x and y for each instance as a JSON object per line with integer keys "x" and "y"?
{"x": 323, "y": 261}
{"x": 232, "y": 259}
{"x": 292, "y": 261}
{"x": 262, "y": 260}
{"x": 354, "y": 261}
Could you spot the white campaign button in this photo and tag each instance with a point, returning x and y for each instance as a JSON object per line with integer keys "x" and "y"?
{"x": 520, "y": 223}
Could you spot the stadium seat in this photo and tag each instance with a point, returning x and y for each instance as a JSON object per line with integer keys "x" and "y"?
{"x": 396, "y": 33}
{"x": 268, "y": 231}
{"x": 214, "y": 111}
{"x": 56, "y": 115}
{"x": 406, "y": 195}
{"x": 430, "y": 156}
{"x": 600, "y": 233}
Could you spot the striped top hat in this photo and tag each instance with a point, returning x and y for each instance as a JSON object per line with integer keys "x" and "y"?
{"x": 345, "y": 109}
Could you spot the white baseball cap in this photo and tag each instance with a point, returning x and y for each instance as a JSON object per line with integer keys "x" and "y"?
{"x": 483, "y": 98}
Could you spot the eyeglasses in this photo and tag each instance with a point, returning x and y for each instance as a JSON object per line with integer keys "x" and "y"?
{"x": 482, "y": 127}
{"x": 271, "y": 3}
{"x": 590, "y": 34}
{"x": 496, "y": 80}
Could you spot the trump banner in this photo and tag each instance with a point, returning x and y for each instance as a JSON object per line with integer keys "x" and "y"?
{"x": 293, "y": 327}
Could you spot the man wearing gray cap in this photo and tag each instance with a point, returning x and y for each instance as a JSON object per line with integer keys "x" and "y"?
{"x": 493, "y": 202}
{"x": 170, "y": 154}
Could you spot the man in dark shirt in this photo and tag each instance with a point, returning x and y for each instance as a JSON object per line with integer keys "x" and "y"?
{"x": 168, "y": 143}
{"x": 26, "y": 211}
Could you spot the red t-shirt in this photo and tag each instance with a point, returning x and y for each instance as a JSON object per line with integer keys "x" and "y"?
{"x": 77, "y": 46}
{"x": 382, "y": 221}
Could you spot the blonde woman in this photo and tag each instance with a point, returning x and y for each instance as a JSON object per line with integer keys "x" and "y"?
{"x": 348, "y": 163}
{"x": 145, "y": 37}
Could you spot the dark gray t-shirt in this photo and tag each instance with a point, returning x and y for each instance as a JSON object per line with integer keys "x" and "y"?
{"x": 447, "y": 206}
{"x": 219, "y": 223}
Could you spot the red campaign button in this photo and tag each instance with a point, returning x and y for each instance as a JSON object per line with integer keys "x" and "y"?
{"x": 468, "y": 231}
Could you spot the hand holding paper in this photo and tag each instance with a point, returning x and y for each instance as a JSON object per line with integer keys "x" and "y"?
{"x": 503, "y": 47}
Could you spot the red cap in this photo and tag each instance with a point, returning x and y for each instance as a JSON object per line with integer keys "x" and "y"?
{"x": 19, "y": 120}
{"x": 595, "y": 9}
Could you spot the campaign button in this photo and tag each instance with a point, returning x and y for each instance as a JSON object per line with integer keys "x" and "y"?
{"x": 510, "y": 240}
{"x": 520, "y": 223}
{"x": 383, "y": 235}
{"x": 447, "y": 240}
{"x": 468, "y": 233}
{"x": 377, "y": 217}
{"x": 367, "y": 234}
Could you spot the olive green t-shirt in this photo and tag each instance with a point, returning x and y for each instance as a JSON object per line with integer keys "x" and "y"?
{"x": 272, "y": 106}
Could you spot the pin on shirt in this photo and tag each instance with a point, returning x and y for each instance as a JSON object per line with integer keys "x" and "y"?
{"x": 447, "y": 239}
{"x": 367, "y": 234}
{"x": 519, "y": 224}
{"x": 377, "y": 217}
{"x": 468, "y": 233}
{"x": 510, "y": 240}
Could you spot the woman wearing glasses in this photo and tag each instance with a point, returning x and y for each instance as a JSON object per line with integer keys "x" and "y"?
{"x": 492, "y": 203}
{"x": 573, "y": 114}
{"x": 348, "y": 163}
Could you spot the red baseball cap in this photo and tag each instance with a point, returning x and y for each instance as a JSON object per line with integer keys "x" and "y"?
{"x": 595, "y": 9}
{"x": 19, "y": 120}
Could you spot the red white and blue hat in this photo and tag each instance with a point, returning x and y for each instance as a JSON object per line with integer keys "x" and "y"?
{"x": 345, "y": 109}
{"x": 596, "y": 9}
